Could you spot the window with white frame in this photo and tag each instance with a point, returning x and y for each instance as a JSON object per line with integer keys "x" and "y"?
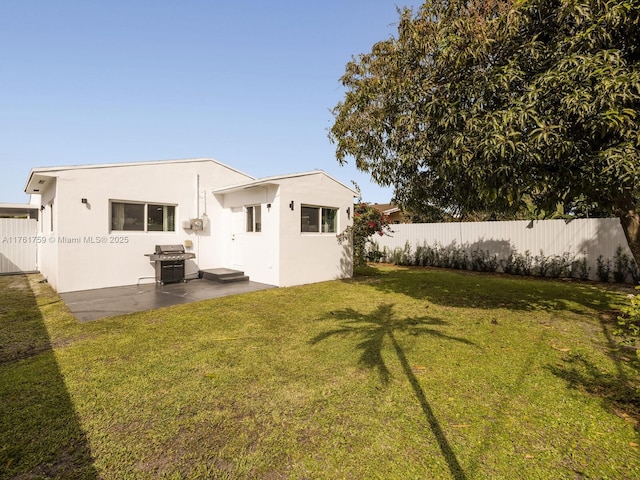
{"x": 254, "y": 218}
{"x": 143, "y": 217}
{"x": 318, "y": 219}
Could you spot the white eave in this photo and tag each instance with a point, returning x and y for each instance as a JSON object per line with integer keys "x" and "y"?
{"x": 275, "y": 180}
{"x": 39, "y": 177}
{"x": 38, "y": 181}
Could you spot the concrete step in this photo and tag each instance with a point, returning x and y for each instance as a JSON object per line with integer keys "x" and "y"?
{"x": 223, "y": 275}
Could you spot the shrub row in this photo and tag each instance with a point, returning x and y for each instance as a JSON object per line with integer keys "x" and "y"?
{"x": 621, "y": 269}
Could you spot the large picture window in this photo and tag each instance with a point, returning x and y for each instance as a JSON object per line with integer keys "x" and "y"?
{"x": 143, "y": 217}
{"x": 318, "y": 219}
{"x": 254, "y": 218}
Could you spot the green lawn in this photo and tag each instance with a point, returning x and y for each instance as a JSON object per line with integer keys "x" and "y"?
{"x": 398, "y": 373}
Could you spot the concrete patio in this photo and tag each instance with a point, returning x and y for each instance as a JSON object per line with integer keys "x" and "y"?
{"x": 89, "y": 305}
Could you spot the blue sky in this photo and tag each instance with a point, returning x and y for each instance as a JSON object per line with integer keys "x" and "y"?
{"x": 249, "y": 83}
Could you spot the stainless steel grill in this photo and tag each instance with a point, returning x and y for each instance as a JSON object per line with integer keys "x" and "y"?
{"x": 170, "y": 263}
{"x": 170, "y": 252}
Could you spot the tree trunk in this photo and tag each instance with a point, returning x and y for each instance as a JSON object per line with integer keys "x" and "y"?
{"x": 630, "y": 221}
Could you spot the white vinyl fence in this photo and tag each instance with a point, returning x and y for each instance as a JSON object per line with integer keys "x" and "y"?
{"x": 581, "y": 241}
{"x": 18, "y": 245}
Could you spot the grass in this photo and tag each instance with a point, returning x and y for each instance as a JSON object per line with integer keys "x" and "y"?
{"x": 398, "y": 373}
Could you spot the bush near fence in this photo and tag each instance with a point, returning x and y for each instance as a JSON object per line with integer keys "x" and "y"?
{"x": 583, "y": 251}
{"x": 622, "y": 269}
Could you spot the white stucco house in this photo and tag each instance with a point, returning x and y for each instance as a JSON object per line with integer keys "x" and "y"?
{"x": 98, "y": 222}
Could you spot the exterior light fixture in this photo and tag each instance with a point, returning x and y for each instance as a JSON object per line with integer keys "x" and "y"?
{"x": 291, "y": 205}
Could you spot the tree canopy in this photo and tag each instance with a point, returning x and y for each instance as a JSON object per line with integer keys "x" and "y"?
{"x": 497, "y": 106}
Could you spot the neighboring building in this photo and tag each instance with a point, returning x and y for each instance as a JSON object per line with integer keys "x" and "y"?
{"x": 18, "y": 210}
{"x": 97, "y": 222}
{"x": 393, "y": 213}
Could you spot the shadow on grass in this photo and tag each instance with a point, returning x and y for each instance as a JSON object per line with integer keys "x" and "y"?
{"x": 41, "y": 436}
{"x": 619, "y": 392}
{"x": 374, "y": 328}
{"x": 466, "y": 289}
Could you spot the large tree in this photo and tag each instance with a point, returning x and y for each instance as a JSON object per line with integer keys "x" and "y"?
{"x": 496, "y": 106}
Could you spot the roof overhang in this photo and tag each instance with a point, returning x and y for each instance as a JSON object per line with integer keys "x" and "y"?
{"x": 275, "y": 181}
{"x": 38, "y": 182}
{"x": 244, "y": 186}
{"x": 40, "y": 177}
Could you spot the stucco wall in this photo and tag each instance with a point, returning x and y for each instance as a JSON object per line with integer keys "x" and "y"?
{"x": 255, "y": 253}
{"x": 47, "y": 248}
{"x": 83, "y": 253}
{"x": 90, "y": 255}
{"x": 313, "y": 257}
{"x": 281, "y": 254}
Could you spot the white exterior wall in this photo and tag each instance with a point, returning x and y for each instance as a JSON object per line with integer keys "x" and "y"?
{"x": 583, "y": 238}
{"x": 254, "y": 253}
{"x": 47, "y": 249}
{"x": 87, "y": 254}
{"x": 81, "y": 252}
{"x": 280, "y": 254}
{"x": 313, "y": 257}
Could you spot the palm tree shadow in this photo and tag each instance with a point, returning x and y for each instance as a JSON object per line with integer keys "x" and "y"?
{"x": 374, "y": 328}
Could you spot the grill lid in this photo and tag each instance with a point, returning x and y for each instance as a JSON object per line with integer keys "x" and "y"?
{"x": 169, "y": 249}
{"x": 170, "y": 252}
